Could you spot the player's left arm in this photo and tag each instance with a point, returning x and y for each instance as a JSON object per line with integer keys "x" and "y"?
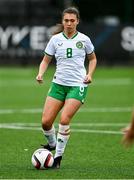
{"x": 91, "y": 67}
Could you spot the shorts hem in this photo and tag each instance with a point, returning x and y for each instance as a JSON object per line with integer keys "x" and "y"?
{"x": 75, "y": 98}
{"x": 62, "y": 100}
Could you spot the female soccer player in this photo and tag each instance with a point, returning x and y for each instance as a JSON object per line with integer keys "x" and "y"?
{"x": 70, "y": 81}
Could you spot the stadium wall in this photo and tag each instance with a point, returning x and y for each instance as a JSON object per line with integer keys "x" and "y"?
{"x": 25, "y": 45}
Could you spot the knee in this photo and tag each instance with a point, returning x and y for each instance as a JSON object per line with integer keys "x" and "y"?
{"x": 46, "y": 123}
{"x": 65, "y": 119}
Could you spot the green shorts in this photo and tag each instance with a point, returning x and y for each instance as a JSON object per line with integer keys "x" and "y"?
{"x": 62, "y": 92}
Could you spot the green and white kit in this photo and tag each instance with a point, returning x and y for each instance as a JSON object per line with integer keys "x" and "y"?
{"x": 63, "y": 93}
{"x": 70, "y": 56}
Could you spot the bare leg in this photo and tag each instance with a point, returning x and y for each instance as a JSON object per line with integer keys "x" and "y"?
{"x": 51, "y": 108}
{"x": 70, "y": 108}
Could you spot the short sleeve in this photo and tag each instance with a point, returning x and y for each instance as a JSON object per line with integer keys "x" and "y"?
{"x": 50, "y": 49}
{"x": 89, "y": 46}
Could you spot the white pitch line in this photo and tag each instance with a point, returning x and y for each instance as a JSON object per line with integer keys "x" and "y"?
{"x": 96, "y": 131}
{"x": 22, "y": 111}
{"x": 99, "y": 124}
{"x": 106, "y": 109}
{"x": 19, "y": 126}
{"x": 39, "y": 110}
{"x": 72, "y": 124}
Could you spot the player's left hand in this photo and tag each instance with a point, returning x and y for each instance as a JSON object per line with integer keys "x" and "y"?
{"x": 88, "y": 79}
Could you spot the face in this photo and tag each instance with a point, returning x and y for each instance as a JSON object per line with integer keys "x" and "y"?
{"x": 70, "y": 22}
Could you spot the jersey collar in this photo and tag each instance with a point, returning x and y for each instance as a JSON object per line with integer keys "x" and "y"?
{"x": 71, "y": 37}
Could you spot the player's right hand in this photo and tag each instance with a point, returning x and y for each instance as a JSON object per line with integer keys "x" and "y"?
{"x": 39, "y": 79}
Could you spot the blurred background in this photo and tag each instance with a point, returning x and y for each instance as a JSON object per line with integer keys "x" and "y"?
{"x": 26, "y": 26}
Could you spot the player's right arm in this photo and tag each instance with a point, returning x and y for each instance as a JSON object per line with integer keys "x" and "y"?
{"x": 43, "y": 67}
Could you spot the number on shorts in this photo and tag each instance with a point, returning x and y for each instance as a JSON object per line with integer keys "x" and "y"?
{"x": 81, "y": 91}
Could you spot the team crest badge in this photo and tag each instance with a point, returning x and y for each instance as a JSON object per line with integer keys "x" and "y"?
{"x": 79, "y": 45}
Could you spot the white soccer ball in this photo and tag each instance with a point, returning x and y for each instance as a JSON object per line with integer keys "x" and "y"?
{"x": 42, "y": 159}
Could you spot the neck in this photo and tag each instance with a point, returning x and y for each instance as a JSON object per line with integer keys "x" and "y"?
{"x": 70, "y": 34}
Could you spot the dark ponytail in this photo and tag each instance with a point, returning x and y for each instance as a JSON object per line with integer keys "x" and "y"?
{"x": 59, "y": 28}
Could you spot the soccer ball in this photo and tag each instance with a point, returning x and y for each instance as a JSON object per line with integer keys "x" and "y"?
{"x": 42, "y": 159}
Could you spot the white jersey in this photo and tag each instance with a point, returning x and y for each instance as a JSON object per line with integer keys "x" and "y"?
{"x": 70, "y": 57}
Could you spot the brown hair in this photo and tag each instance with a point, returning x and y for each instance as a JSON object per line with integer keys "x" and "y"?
{"x": 70, "y": 10}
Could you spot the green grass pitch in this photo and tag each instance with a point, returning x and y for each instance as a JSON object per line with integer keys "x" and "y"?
{"x": 94, "y": 150}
